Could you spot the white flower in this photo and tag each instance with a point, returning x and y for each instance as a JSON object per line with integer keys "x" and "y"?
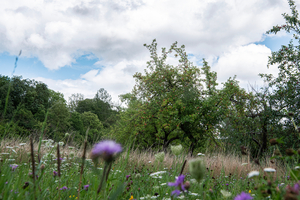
{"x": 253, "y": 173}
{"x": 44, "y": 141}
{"x": 71, "y": 147}
{"x": 176, "y": 150}
{"x": 163, "y": 184}
{"x": 269, "y": 170}
{"x": 149, "y": 162}
{"x": 225, "y": 193}
{"x": 297, "y": 167}
{"x": 22, "y": 144}
{"x": 8, "y": 147}
{"x": 157, "y": 174}
{"x": 61, "y": 143}
{"x": 5, "y": 153}
{"x": 160, "y": 156}
{"x": 244, "y": 164}
{"x": 200, "y": 154}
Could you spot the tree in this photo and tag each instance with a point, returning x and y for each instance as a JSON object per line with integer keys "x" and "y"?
{"x": 286, "y": 86}
{"x": 74, "y": 99}
{"x": 91, "y": 122}
{"x": 170, "y": 103}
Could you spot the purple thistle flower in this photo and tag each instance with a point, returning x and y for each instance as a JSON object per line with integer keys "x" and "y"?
{"x": 243, "y": 196}
{"x": 86, "y": 187}
{"x": 63, "y": 188}
{"x": 178, "y": 183}
{"x": 106, "y": 149}
{"x": 55, "y": 173}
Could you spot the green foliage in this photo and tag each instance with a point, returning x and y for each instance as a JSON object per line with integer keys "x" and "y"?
{"x": 91, "y": 121}
{"x": 169, "y": 103}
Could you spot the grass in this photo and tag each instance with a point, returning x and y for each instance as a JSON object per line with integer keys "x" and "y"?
{"x": 130, "y": 175}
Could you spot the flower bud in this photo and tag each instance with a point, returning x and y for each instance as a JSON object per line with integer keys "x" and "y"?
{"x": 290, "y": 152}
{"x": 197, "y": 168}
{"x": 160, "y": 156}
{"x": 176, "y": 150}
{"x": 273, "y": 141}
{"x": 187, "y": 185}
{"x": 42, "y": 167}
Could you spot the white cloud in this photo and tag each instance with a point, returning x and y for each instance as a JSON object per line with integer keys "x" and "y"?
{"x": 58, "y": 32}
{"x": 246, "y": 62}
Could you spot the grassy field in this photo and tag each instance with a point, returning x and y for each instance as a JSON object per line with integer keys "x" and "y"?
{"x": 133, "y": 175}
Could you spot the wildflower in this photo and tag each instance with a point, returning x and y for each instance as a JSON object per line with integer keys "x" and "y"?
{"x": 55, "y": 173}
{"x": 8, "y": 147}
{"x": 290, "y": 152}
{"x": 160, "y": 156}
{"x": 273, "y": 141}
{"x": 178, "y": 183}
{"x": 71, "y": 147}
{"x": 176, "y": 150}
{"x": 13, "y": 166}
{"x": 61, "y": 143}
{"x": 197, "y": 168}
{"x": 86, "y": 187}
{"x": 157, "y": 174}
{"x": 225, "y": 193}
{"x": 253, "y": 173}
{"x": 22, "y": 144}
{"x": 243, "y": 196}
{"x": 200, "y": 154}
{"x": 131, "y": 198}
{"x": 127, "y": 177}
{"x": 244, "y": 164}
{"x": 106, "y": 149}
{"x": 63, "y": 188}
{"x": 269, "y": 170}
{"x": 67, "y": 134}
{"x": 292, "y": 192}
{"x": 25, "y": 185}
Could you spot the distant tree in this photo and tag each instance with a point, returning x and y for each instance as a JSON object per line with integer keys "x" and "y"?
{"x": 91, "y": 122}
{"x": 73, "y": 101}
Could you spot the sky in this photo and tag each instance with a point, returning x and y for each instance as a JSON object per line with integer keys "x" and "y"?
{"x": 80, "y": 46}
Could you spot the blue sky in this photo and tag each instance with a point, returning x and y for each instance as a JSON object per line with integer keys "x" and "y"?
{"x": 80, "y": 46}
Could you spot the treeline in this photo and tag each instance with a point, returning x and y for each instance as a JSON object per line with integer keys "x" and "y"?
{"x": 26, "y": 104}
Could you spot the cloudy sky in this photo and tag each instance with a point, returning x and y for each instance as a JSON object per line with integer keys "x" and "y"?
{"x": 80, "y": 46}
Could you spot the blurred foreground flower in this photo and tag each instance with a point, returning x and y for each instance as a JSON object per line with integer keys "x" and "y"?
{"x": 197, "y": 168}
{"x": 176, "y": 150}
{"x": 269, "y": 170}
{"x": 13, "y": 166}
{"x": 253, "y": 173}
{"x": 107, "y": 150}
{"x": 243, "y": 196}
{"x": 225, "y": 193}
{"x": 160, "y": 156}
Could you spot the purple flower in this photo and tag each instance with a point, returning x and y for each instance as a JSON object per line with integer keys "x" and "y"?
{"x": 127, "y": 177}
{"x": 63, "y": 188}
{"x": 86, "y": 187}
{"x": 243, "y": 196}
{"x": 106, "y": 149}
{"x": 178, "y": 183}
{"x": 55, "y": 173}
{"x": 14, "y": 166}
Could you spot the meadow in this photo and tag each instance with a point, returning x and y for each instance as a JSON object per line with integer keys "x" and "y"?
{"x": 135, "y": 174}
